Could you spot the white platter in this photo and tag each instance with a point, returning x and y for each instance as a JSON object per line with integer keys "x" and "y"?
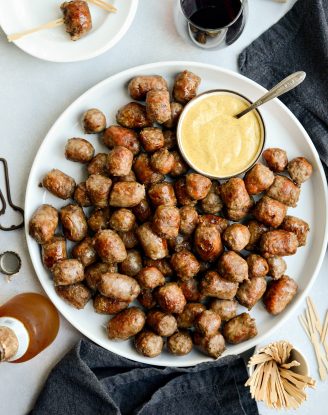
{"x": 283, "y": 130}
{"x": 55, "y": 44}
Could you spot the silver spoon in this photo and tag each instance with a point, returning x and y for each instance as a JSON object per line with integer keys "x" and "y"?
{"x": 282, "y": 87}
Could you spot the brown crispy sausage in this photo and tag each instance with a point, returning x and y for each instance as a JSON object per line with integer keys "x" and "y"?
{"x": 170, "y": 298}
{"x": 257, "y": 266}
{"x": 115, "y": 135}
{"x": 85, "y": 252}
{"x": 144, "y": 171}
{"x": 150, "y": 277}
{"x": 59, "y": 184}
{"x": 98, "y": 188}
{"x": 185, "y": 264}
{"x": 284, "y": 190}
{"x": 152, "y": 139}
{"x": 213, "y": 285}
{"x": 119, "y": 161}
{"x": 146, "y": 298}
{"x": 234, "y": 194}
{"x": 236, "y": 237}
{"x": 197, "y": 186}
{"x": 300, "y": 170}
{"x": 142, "y": 211}
{"x": 74, "y": 222}
{"x": 68, "y": 271}
{"x": 162, "y": 264}
{"x": 188, "y": 219}
{"x": 132, "y": 263}
{"x": 270, "y": 212}
{"x": 212, "y": 346}
{"x": 208, "y": 244}
{"x": 133, "y": 115}
{"x": 278, "y": 243}
{"x": 233, "y": 267}
{"x": 99, "y": 219}
{"x": 170, "y": 139}
{"x": 105, "y": 305}
{"x": 251, "y": 291}
{"x": 256, "y": 230}
{"x": 179, "y": 343}
{"x": 77, "y": 18}
{"x": 81, "y": 195}
{"x": 162, "y": 161}
{"x": 118, "y": 286}
{"x": 297, "y": 226}
{"x": 186, "y": 319}
{"x": 190, "y": 290}
{"x": 53, "y": 251}
{"x": 148, "y": 343}
{"x": 279, "y": 294}
{"x": 43, "y": 223}
{"x": 77, "y": 295}
{"x": 225, "y": 308}
{"x": 207, "y": 323}
{"x": 258, "y": 179}
{"x": 162, "y": 323}
{"x": 158, "y": 105}
{"x": 140, "y": 85}
{"x": 122, "y": 220}
{"x": 154, "y": 246}
{"x": 126, "y": 194}
{"x": 98, "y": 165}
{"x": 129, "y": 239}
{"x": 212, "y": 202}
{"x": 93, "y": 273}
{"x": 179, "y": 166}
{"x": 176, "y": 110}
{"x": 185, "y": 86}
{"x": 126, "y": 324}
{"x": 277, "y": 267}
{"x": 79, "y": 149}
{"x": 162, "y": 194}
{"x": 166, "y": 221}
{"x": 109, "y": 246}
{"x": 93, "y": 121}
{"x": 221, "y": 224}
{"x": 276, "y": 159}
{"x": 182, "y": 196}
{"x": 240, "y": 329}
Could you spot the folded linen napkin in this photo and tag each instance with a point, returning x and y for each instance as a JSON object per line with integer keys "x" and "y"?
{"x": 93, "y": 381}
{"x": 299, "y": 41}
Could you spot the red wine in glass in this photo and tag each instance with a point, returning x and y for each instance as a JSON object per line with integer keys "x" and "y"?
{"x": 226, "y": 17}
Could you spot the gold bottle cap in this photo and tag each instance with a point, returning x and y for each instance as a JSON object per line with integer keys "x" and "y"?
{"x": 8, "y": 343}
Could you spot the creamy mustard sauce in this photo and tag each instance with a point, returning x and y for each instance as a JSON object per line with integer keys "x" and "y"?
{"x": 216, "y": 142}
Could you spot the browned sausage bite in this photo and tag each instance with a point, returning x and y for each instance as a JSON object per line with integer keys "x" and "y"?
{"x": 77, "y": 18}
{"x": 300, "y": 170}
{"x": 81, "y": 196}
{"x": 148, "y": 343}
{"x": 53, "y": 251}
{"x": 142, "y": 211}
{"x": 152, "y": 139}
{"x": 93, "y": 273}
{"x": 179, "y": 343}
{"x": 122, "y": 220}
{"x": 170, "y": 298}
{"x": 126, "y": 194}
{"x": 207, "y": 323}
{"x": 197, "y": 186}
{"x": 118, "y": 286}
{"x": 119, "y": 161}
{"x": 144, "y": 172}
{"x": 153, "y": 245}
{"x": 176, "y": 110}
{"x": 79, "y": 149}
{"x": 162, "y": 323}
{"x": 250, "y": 291}
{"x": 185, "y": 86}
{"x": 59, "y": 184}
{"x": 213, "y": 346}
{"x": 68, "y": 271}
{"x": 74, "y": 222}
{"x": 166, "y": 221}
{"x": 233, "y": 267}
{"x": 162, "y": 194}
{"x": 133, "y": 115}
{"x": 105, "y": 305}
{"x": 126, "y": 324}
{"x": 277, "y": 267}
{"x": 150, "y": 277}
{"x": 225, "y": 308}
{"x": 240, "y": 329}
{"x": 213, "y": 285}
{"x": 98, "y": 188}
{"x": 162, "y": 161}
{"x": 270, "y": 211}
{"x": 116, "y": 135}
{"x": 278, "y": 243}
{"x": 132, "y": 263}
{"x": 77, "y": 295}
{"x": 279, "y": 294}
{"x": 236, "y": 237}
{"x": 256, "y": 230}
{"x": 93, "y": 121}
{"x": 85, "y": 252}
{"x": 258, "y": 179}
{"x": 208, "y": 244}
{"x": 257, "y": 266}
{"x": 158, "y": 105}
{"x": 298, "y": 226}
{"x": 276, "y": 159}
{"x": 186, "y": 319}
{"x": 109, "y": 246}
{"x": 185, "y": 264}
{"x": 221, "y": 224}
{"x": 43, "y": 224}
{"x": 284, "y": 190}
{"x": 98, "y": 164}
{"x": 182, "y": 196}
{"x": 212, "y": 202}
{"x": 140, "y": 85}
{"x": 99, "y": 219}
{"x": 188, "y": 219}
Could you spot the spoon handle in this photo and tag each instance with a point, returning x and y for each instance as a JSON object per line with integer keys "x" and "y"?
{"x": 281, "y": 88}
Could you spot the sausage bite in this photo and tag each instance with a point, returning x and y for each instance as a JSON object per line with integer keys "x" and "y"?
{"x": 182, "y": 196}
{"x": 180, "y": 167}
{"x": 133, "y": 115}
{"x": 300, "y": 170}
{"x": 99, "y": 219}
{"x": 279, "y": 294}
{"x": 276, "y": 159}
{"x": 176, "y": 110}
{"x": 212, "y": 202}
{"x": 118, "y": 286}
{"x": 256, "y": 230}
{"x": 142, "y": 211}
{"x": 153, "y": 245}
{"x": 162, "y": 323}
{"x": 109, "y": 246}
{"x": 236, "y": 199}
{"x": 140, "y": 85}
{"x": 126, "y": 324}
{"x": 74, "y": 222}
{"x": 79, "y": 149}
{"x": 85, "y": 252}
{"x": 179, "y": 343}
{"x": 257, "y": 266}
{"x": 185, "y": 264}
{"x": 98, "y": 165}
{"x": 77, "y": 18}
{"x": 81, "y": 196}
{"x": 221, "y": 224}
{"x": 98, "y": 188}
{"x": 186, "y": 319}
{"x": 236, "y": 237}
{"x": 144, "y": 172}
{"x": 213, "y": 285}
{"x": 258, "y": 179}
{"x": 132, "y": 263}
{"x": 298, "y": 226}
{"x": 185, "y": 86}
{"x": 207, "y": 323}
{"x": 126, "y": 194}
{"x": 162, "y": 161}
{"x": 284, "y": 190}
{"x": 43, "y": 223}
{"x": 251, "y": 291}
{"x": 152, "y": 139}
{"x": 240, "y": 329}
{"x": 166, "y": 221}
{"x": 225, "y": 308}
{"x": 116, "y": 135}
{"x": 278, "y": 243}
{"x": 93, "y": 273}
{"x": 77, "y": 295}
{"x": 170, "y": 298}
{"x": 197, "y": 186}
{"x": 277, "y": 267}
{"x": 233, "y": 267}
{"x": 148, "y": 343}
{"x": 190, "y": 289}
{"x": 158, "y": 105}
{"x": 188, "y": 219}
{"x": 59, "y": 184}
{"x": 53, "y": 251}
{"x": 162, "y": 194}
{"x": 122, "y": 220}
{"x": 150, "y": 277}
{"x": 67, "y": 272}
{"x": 93, "y": 121}
{"x": 212, "y": 346}
{"x": 105, "y": 305}
{"x": 270, "y": 212}
{"x": 119, "y": 161}
{"x": 208, "y": 244}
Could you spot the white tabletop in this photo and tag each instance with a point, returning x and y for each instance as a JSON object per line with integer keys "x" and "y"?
{"x": 33, "y": 93}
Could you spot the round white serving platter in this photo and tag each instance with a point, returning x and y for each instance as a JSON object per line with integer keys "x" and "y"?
{"x": 283, "y": 130}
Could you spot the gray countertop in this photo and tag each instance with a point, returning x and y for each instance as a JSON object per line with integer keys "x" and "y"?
{"x": 33, "y": 94}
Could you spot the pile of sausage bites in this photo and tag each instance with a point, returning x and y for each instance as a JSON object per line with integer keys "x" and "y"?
{"x": 186, "y": 250}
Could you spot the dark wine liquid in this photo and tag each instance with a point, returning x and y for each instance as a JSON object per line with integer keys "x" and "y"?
{"x": 216, "y": 16}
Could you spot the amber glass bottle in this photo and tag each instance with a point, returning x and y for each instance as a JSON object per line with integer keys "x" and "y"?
{"x": 29, "y": 323}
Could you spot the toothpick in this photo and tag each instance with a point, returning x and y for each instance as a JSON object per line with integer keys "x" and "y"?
{"x": 103, "y": 5}
{"x": 49, "y": 25}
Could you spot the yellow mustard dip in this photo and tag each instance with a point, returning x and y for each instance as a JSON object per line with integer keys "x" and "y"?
{"x": 217, "y": 143}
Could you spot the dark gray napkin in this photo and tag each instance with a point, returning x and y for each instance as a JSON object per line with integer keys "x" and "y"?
{"x": 92, "y": 381}
{"x": 299, "y": 41}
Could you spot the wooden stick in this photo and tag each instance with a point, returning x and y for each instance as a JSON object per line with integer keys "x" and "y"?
{"x": 103, "y": 5}
{"x": 49, "y": 25}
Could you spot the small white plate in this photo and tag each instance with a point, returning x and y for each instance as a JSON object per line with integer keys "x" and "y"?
{"x": 283, "y": 130}
{"x": 55, "y": 44}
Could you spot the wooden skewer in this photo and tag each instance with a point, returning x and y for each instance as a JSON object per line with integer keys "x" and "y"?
{"x": 325, "y": 329}
{"x": 49, "y": 25}
{"x": 103, "y": 5}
